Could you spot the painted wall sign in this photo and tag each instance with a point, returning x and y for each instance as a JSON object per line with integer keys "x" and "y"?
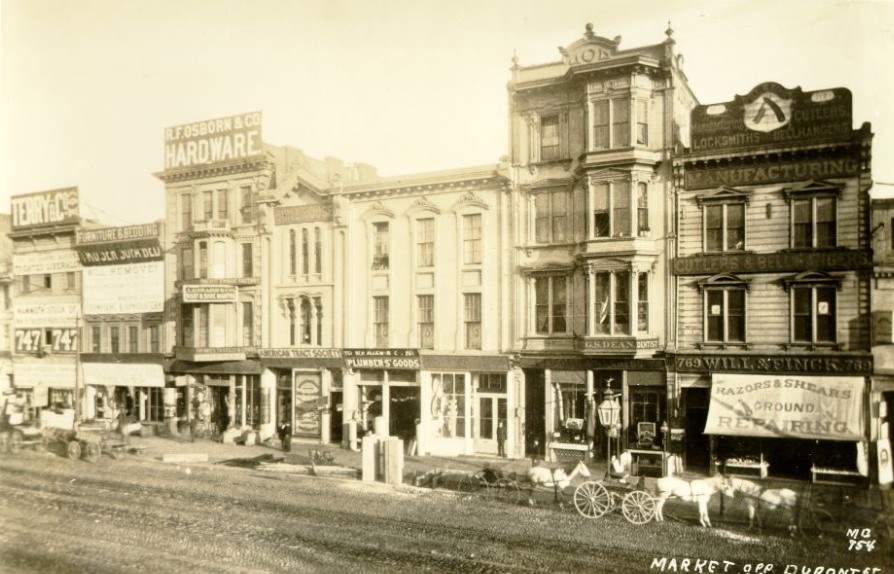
{"x": 301, "y": 214}
{"x": 121, "y": 252}
{"x": 832, "y": 260}
{"x": 130, "y": 288}
{"x": 38, "y": 263}
{"x": 307, "y": 401}
{"x": 619, "y": 344}
{"x": 44, "y": 373}
{"x": 299, "y": 353}
{"x": 43, "y": 208}
{"x": 777, "y": 171}
{"x": 791, "y": 364}
{"x": 45, "y": 314}
{"x": 124, "y": 374}
{"x": 115, "y": 234}
{"x": 824, "y": 408}
{"x": 771, "y": 114}
{"x": 58, "y": 339}
{"x": 209, "y": 293}
{"x": 382, "y": 358}
{"x": 212, "y": 141}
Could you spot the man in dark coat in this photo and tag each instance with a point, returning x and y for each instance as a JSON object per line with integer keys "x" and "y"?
{"x": 285, "y": 435}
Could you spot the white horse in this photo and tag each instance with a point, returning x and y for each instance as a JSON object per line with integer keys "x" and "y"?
{"x": 699, "y": 490}
{"x": 759, "y": 498}
{"x": 556, "y": 478}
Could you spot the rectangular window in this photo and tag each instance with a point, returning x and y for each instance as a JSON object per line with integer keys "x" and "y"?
{"x": 621, "y": 209}
{"x": 318, "y": 251}
{"x": 472, "y": 239}
{"x": 247, "y": 260}
{"x": 725, "y": 227}
{"x": 245, "y": 204}
{"x": 426, "y": 321}
{"x": 612, "y": 308}
{"x": 204, "y": 326}
{"x": 154, "y": 339}
{"x": 472, "y": 320}
{"x": 380, "y": 321}
{"x": 425, "y": 242}
{"x": 248, "y": 322}
{"x": 133, "y": 339}
{"x": 96, "y": 339}
{"x": 612, "y": 214}
{"x": 620, "y": 123}
{"x": 292, "y": 322}
{"x": 449, "y": 406}
{"x": 293, "y": 252}
{"x": 725, "y": 315}
{"x": 186, "y": 265}
{"x": 208, "y": 204}
{"x": 48, "y": 281}
{"x": 621, "y": 322}
{"x": 645, "y": 406}
{"x": 186, "y": 210}
{"x": 551, "y": 217}
{"x": 223, "y": 211}
{"x": 382, "y": 243}
{"x": 187, "y": 333}
{"x": 203, "y": 260}
{"x": 642, "y": 293}
{"x": 813, "y": 314}
{"x": 601, "y": 217}
{"x": 26, "y": 283}
{"x": 550, "y": 295}
{"x": 305, "y": 252}
{"x": 115, "y": 339}
{"x": 642, "y": 209}
{"x": 813, "y": 222}
{"x": 600, "y": 125}
{"x": 70, "y": 281}
{"x": 549, "y": 138}
{"x": 642, "y": 122}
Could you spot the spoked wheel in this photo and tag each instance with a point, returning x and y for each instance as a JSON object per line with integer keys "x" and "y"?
{"x": 92, "y": 452}
{"x": 468, "y": 486}
{"x": 817, "y": 522}
{"x": 505, "y": 490}
{"x": 15, "y": 442}
{"x": 592, "y": 499}
{"x": 638, "y": 507}
{"x": 73, "y": 450}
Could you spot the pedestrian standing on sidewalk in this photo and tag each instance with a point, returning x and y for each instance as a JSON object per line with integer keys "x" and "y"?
{"x": 285, "y": 435}
{"x": 501, "y": 439}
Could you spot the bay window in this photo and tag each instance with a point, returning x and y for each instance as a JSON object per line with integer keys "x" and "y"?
{"x": 612, "y": 213}
{"x": 611, "y": 124}
{"x": 613, "y": 307}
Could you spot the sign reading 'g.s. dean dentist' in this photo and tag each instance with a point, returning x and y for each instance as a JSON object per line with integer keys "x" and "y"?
{"x": 213, "y": 141}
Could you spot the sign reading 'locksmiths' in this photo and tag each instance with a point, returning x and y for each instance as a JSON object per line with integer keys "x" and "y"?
{"x": 212, "y": 141}
{"x": 382, "y": 358}
{"x": 55, "y": 207}
{"x": 771, "y": 114}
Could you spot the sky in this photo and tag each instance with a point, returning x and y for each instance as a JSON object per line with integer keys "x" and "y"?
{"x": 88, "y": 86}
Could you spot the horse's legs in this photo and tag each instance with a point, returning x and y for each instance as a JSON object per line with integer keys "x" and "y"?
{"x": 751, "y": 514}
{"x": 703, "y": 517}
{"x": 659, "y": 508}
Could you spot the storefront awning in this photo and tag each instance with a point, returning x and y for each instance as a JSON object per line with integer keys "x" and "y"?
{"x": 217, "y": 368}
{"x": 124, "y": 374}
{"x": 793, "y": 406}
{"x": 472, "y": 363}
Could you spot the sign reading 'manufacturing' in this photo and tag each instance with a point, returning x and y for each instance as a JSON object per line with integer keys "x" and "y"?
{"x": 823, "y": 408}
{"x": 213, "y": 141}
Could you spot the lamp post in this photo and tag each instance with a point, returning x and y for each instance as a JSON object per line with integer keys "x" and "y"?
{"x": 609, "y": 411}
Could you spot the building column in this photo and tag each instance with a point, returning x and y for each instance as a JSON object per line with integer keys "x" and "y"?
{"x": 268, "y": 424}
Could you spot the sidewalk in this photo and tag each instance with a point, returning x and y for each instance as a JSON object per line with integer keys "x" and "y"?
{"x": 844, "y": 500}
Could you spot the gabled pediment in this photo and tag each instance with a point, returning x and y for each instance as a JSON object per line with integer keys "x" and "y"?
{"x": 609, "y": 174}
{"x": 811, "y": 278}
{"x": 591, "y": 48}
{"x": 724, "y": 194}
{"x": 811, "y": 187}
{"x": 377, "y": 210}
{"x": 723, "y": 280}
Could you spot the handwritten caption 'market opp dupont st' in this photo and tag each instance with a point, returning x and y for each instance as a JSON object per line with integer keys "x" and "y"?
{"x": 700, "y": 566}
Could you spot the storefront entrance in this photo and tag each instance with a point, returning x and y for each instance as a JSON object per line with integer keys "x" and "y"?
{"x": 404, "y": 412}
{"x": 698, "y": 445}
{"x": 491, "y": 411}
{"x": 535, "y": 423}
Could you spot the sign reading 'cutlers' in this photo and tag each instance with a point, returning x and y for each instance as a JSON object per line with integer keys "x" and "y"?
{"x": 213, "y": 141}
{"x": 771, "y": 114}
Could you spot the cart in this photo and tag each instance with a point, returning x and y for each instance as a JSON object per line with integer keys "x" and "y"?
{"x": 491, "y": 484}
{"x": 593, "y": 499}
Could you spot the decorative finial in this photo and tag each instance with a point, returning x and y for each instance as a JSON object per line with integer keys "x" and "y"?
{"x": 670, "y": 31}
{"x": 589, "y": 31}
{"x": 514, "y": 59}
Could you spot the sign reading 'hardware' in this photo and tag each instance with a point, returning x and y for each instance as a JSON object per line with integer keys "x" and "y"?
{"x": 213, "y": 141}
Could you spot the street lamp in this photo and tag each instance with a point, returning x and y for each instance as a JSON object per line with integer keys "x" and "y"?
{"x": 609, "y": 411}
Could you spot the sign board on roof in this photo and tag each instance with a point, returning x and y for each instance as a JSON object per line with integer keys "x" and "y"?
{"x": 45, "y": 208}
{"x": 772, "y": 115}
{"x": 213, "y": 141}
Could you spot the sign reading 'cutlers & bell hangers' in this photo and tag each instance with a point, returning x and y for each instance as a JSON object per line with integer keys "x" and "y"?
{"x": 213, "y": 141}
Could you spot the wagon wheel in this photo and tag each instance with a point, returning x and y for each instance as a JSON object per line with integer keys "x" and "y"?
{"x": 638, "y": 507}
{"x": 92, "y": 451}
{"x": 505, "y": 490}
{"x": 73, "y": 450}
{"x": 592, "y": 499}
{"x": 468, "y": 485}
{"x": 15, "y": 442}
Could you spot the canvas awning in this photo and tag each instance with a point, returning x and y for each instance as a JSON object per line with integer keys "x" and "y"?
{"x": 124, "y": 375}
{"x": 786, "y": 406}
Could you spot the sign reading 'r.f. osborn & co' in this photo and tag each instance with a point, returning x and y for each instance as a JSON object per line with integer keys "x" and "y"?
{"x": 770, "y": 115}
{"x": 213, "y": 141}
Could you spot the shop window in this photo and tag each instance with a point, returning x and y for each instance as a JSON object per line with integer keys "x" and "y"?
{"x": 380, "y": 321}
{"x": 246, "y": 200}
{"x": 154, "y": 403}
{"x": 133, "y": 339}
{"x": 813, "y": 307}
{"x": 247, "y": 260}
{"x": 425, "y": 242}
{"x": 449, "y": 404}
{"x": 426, "y": 321}
{"x": 646, "y": 413}
{"x": 724, "y": 299}
{"x": 724, "y": 225}
{"x": 551, "y": 216}
{"x": 472, "y": 239}
{"x": 381, "y": 243}
{"x": 612, "y": 216}
{"x": 208, "y": 204}
{"x": 223, "y": 211}
{"x": 570, "y": 400}
{"x": 186, "y": 211}
{"x": 549, "y": 138}
{"x": 550, "y": 304}
{"x": 472, "y": 320}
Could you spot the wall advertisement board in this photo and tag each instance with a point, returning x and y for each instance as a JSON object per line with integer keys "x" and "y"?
{"x": 213, "y": 141}
{"x": 38, "y": 263}
{"x": 45, "y": 208}
{"x": 45, "y": 314}
{"x": 129, "y": 288}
